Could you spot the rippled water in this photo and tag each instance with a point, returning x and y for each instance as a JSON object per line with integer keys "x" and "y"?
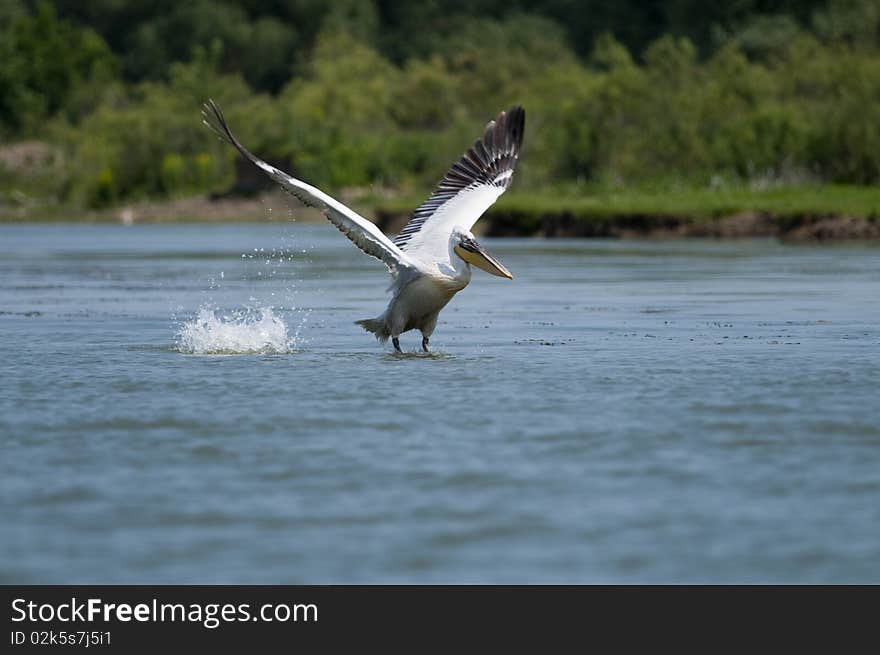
{"x": 620, "y": 412}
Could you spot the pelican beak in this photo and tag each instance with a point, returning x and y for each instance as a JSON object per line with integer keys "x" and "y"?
{"x": 473, "y": 253}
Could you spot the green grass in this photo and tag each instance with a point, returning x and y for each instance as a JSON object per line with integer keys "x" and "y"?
{"x": 595, "y": 203}
{"x": 588, "y": 203}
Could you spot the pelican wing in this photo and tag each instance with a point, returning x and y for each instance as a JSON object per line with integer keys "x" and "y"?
{"x": 469, "y": 188}
{"x": 362, "y": 232}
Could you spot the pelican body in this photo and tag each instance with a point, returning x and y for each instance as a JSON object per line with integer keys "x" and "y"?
{"x": 430, "y": 259}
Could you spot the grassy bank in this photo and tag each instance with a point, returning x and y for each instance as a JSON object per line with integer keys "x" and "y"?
{"x": 806, "y": 212}
{"x": 706, "y": 203}
{"x": 822, "y": 211}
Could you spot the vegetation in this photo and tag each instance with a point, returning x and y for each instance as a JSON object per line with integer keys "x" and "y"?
{"x": 711, "y": 102}
{"x": 700, "y": 203}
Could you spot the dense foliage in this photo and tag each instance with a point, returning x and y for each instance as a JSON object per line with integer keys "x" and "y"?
{"x": 360, "y": 93}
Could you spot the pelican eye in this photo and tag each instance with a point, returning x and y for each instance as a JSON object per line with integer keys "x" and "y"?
{"x": 469, "y": 244}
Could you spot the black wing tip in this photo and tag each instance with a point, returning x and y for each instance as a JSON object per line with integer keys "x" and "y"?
{"x": 516, "y": 113}
{"x": 516, "y": 124}
{"x": 517, "y": 117}
{"x": 507, "y": 130}
{"x": 213, "y": 117}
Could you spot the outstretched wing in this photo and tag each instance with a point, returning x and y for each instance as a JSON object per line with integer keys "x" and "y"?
{"x": 362, "y": 232}
{"x": 469, "y": 188}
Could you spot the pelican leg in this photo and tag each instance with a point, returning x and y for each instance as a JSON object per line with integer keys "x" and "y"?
{"x": 396, "y": 343}
{"x": 425, "y": 344}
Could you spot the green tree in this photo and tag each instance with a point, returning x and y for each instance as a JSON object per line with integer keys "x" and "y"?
{"x": 48, "y": 65}
{"x": 338, "y": 114}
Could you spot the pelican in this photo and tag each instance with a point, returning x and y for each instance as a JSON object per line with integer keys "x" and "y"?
{"x": 430, "y": 259}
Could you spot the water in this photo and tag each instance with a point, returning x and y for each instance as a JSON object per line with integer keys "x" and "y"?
{"x": 685, "y": 411}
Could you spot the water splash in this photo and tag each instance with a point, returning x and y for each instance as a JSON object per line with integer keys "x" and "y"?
{"x": 256, "y": 328}
{"x": 247, "y": 331}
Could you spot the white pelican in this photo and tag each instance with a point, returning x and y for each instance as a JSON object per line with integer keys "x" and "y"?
{"x": 430, "y": 259}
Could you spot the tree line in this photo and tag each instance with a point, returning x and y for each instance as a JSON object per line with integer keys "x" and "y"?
{"x": 354, "y": 94}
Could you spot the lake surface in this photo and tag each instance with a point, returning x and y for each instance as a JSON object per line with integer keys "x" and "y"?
{"x": 658, "y": 411}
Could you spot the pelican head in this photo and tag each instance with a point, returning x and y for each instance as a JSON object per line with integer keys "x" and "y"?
{"x": 466, "y": 247}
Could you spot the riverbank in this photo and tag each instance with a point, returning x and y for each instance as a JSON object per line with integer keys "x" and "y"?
{"x": 810, "y": 213}
{"x": 265, "y": 206}
{"x": 790, "y": 213}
